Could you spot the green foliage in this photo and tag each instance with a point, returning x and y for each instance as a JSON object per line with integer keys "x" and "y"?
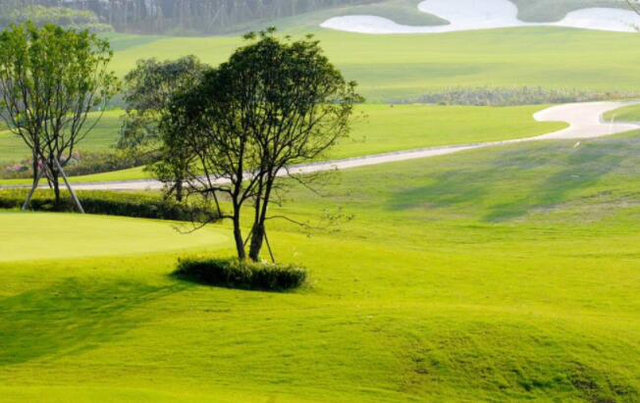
{"x": 234, "y": 273}
{"x": 139, "y": 205}
{"x": 149, "y": 88}
{"x": 61, "y": 16}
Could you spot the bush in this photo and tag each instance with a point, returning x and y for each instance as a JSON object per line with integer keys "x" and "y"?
{"x": 139, "y": 205}
{"x": 247, "y": 275}
{"x": 513, "y": 96}
{"x": 83, "y": 163}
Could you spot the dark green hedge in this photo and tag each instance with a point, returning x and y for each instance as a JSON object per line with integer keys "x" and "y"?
{"x": 140, "y": 205}
{"x": 247, "y": 275}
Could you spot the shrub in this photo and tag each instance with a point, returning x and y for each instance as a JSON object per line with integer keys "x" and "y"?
{"x": 139, "y": 205}
{"x": 83, "y": 163}
{"x": 512, "y": 96}
{"x": 247, "y": 275}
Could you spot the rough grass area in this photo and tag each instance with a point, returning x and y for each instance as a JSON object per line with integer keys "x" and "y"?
{"x": 247, "y": 275}
{"x": 126, "y": 204}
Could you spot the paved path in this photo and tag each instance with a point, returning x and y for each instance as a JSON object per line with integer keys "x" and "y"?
{"x": 585, "y": 122}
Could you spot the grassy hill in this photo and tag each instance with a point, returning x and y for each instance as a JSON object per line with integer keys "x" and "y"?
{"x": 397, "y": 67}
{"x": 503, "y": 274}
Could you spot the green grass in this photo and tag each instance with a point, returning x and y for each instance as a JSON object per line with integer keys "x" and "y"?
{"x": 384, "y": 128}
{"x": 406, "y": 66}
{"x": 493, "y": 275}
{"x": 68, "y": 235}
{"x": 103, "y": 137}
{"x": 629, "y": 113}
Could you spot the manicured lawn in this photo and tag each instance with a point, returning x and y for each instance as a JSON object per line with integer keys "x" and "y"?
{"x": 499, "y": 274}
{"x": 405, "y": 66}
{"x": 384, "y": 128}
{"x": 71, "y": 235}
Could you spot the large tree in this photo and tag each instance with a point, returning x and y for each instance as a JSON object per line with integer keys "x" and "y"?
{"x": 275, "y": 104}
{"x": 50, "y": 80}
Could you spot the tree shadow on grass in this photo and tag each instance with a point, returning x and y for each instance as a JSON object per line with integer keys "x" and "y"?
{"x": 582, "y": 170}
{"x": 71, "y": 317}
{"x": 561, "y": 170}
{"x": 467, "y": 183}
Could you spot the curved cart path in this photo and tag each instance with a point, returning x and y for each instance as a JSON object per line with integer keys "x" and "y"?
{"x": 585, "y": 122}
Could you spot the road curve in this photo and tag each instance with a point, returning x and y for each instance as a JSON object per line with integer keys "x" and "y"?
{"x": 585, "y": 122}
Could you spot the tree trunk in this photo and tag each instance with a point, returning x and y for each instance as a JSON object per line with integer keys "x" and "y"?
{"x": 237, "y": 235}
{"x": 257, "y": 240}
{"x": 55, "y": 181}
{"x": 179, "y": 192}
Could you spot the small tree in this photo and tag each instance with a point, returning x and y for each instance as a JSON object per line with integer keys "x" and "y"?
{"x": 149, "y": 89}
{"x": 50, "y": 80}
{"x": 274, "y": 104}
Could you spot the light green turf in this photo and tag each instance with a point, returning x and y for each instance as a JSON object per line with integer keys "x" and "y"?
{"x": 405, "y": 66}
{"x": 629, "y": 113}
{"x": 101, "y": 138}
{"x": 494, "y": 275}
{"x": 67, "y": 235}
{"x": 385, "y": 128}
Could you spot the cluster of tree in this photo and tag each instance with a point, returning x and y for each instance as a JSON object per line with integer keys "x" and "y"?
{"x": 189, "y": 16}
{"x": 225, "y": 134}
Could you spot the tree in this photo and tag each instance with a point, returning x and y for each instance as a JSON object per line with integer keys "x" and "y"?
{"x": 50, "y": 80}
{"x": 149, "y": 89}
{"x": 274, "y": 104}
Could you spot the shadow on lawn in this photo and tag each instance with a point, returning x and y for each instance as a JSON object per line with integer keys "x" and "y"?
{"x": 71, "y": 317}
{"x": 521, "y": 180}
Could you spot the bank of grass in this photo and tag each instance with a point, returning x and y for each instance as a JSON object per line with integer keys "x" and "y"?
{"x": 387, "y": 128}
{"x": 501, "y": 274}
{"x": 629, "y": 113}
{"x": 396, "y": 67}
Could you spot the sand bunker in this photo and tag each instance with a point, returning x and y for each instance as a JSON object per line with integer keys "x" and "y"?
{"x": 464, "y": 15}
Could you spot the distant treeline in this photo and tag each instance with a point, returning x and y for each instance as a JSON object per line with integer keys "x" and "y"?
{"x": 186, "y": 16}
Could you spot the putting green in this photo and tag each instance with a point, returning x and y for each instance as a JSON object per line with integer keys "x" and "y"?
{"x": 31, "y": 236}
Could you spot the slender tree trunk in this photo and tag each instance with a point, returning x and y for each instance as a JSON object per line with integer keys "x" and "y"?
{"x": 55, "y": 180}
{"x": 237, "y": 235}
{"x": 179, "y": 191}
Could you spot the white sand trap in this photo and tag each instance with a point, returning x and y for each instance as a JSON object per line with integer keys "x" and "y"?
{"x": 464, "y": 15}
{"x": 585, "y": 122}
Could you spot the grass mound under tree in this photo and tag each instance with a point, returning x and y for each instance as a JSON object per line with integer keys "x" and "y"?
{"x": 242, "y": 274}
